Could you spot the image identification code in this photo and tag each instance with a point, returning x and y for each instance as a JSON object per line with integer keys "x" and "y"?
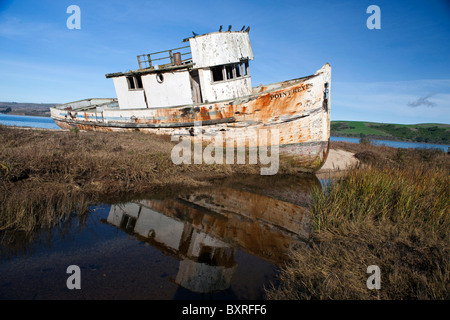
{"x": 230, "y": 309}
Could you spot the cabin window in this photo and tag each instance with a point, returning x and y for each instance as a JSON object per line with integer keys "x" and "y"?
{"x": 134, "y": 82}
{"x": 229, "y": 71}
{"x": 237, "y": 70}
{"x": 217, "y": 73}
{"x": 138, "y": 81}
{"x": 131, "y": 85}
{"x": 244, "y": 67}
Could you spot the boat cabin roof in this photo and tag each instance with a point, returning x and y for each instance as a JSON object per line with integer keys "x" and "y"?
{"x": 221, "y": 48}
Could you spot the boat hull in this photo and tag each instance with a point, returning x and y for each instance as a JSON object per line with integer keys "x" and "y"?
{"x": 294, "y": 115}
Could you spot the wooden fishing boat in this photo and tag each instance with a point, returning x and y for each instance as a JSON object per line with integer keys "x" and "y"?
{"x": 205, "y": 88}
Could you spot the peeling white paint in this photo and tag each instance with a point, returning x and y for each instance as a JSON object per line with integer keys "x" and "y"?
{"x": 228, "y": 89}
{"x": 218, "y": 48}
{"x": 174, "y": 90}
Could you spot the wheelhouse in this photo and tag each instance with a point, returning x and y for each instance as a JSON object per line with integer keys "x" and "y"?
{"x": 213, "y": 67}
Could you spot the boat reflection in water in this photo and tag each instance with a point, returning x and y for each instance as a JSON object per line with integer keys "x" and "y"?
{"x": 265, "y": 216}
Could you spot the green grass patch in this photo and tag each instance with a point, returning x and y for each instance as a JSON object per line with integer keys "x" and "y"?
{"x": 356, "y": 129}
{"x": 426, "y": 132}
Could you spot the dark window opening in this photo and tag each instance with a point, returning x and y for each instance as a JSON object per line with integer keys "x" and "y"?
{"x": 138, "y": 82}
{"x": 127, "y": 223}
{"x": 131, "y": 85}
{"x": 237, "y": 68}
{"x": 134, "y": 83}
{"x": 245, "y": 68}
{"x": 229, "y": 71}
{"x": 217, "y": 73}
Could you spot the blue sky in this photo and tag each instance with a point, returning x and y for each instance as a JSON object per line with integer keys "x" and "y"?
{"x": 397, "y": 74}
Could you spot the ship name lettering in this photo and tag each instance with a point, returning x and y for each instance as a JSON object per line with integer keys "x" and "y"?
{"x": 289, "y": 92}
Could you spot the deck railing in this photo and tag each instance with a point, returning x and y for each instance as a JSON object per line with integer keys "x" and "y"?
{"x": 172, "y": 57}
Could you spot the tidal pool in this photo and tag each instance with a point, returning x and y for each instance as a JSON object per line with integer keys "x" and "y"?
{"x": 224, "y": 242}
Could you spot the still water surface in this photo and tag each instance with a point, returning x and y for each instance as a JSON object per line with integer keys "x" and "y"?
{"x": 217, "y": 243}
{"x": 28, "y": 121}
{"x": 396, "y": 144}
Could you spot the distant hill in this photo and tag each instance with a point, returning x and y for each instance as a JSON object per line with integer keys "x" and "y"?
{"x": 423, "y": 132}
{"x": 27, "y": 109}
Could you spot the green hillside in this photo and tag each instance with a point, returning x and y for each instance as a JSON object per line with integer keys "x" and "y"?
{"x": 424, "y": 132}
{"x": 26, "y": 109}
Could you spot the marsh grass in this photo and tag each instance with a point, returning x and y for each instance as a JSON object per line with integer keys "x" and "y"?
{"x": 393, "y": 213}
{"x": 414, "y": 196}
{"x": 29, "y": 210}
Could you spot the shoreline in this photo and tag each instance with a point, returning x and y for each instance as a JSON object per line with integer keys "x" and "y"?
{"x": 38, "y": 113}
{"x": 28, "y": 114}
{"x": 393, "y": 139}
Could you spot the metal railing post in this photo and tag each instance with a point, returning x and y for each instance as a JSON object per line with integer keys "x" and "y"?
{"x": 149, "y": 61}
{"x": 171, "y": 56}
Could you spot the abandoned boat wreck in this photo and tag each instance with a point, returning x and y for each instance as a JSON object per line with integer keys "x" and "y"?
{"x": 205, "y": 87}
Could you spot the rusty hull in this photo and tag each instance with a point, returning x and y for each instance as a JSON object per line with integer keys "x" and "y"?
{"x": 299, "y": 109}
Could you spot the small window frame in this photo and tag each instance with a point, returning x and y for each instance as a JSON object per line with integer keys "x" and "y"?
{"x": 217, "y": 74}
{"x": 135, "y": 83}
{"x": 131, "y": 85}
{"x": 244, "y": 68}
{"x": 229, "y": 72}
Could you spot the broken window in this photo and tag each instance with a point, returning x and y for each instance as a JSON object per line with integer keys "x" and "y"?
{"x": 244, "y": 68}
{"x": 237, "y": 68}
{"x": 134, "y": 82}
{"x": 217, "y": 73}
{"x": 229, "y": 71}
{"x": 138, "y": 82}
{"x": 131, "y": 85}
